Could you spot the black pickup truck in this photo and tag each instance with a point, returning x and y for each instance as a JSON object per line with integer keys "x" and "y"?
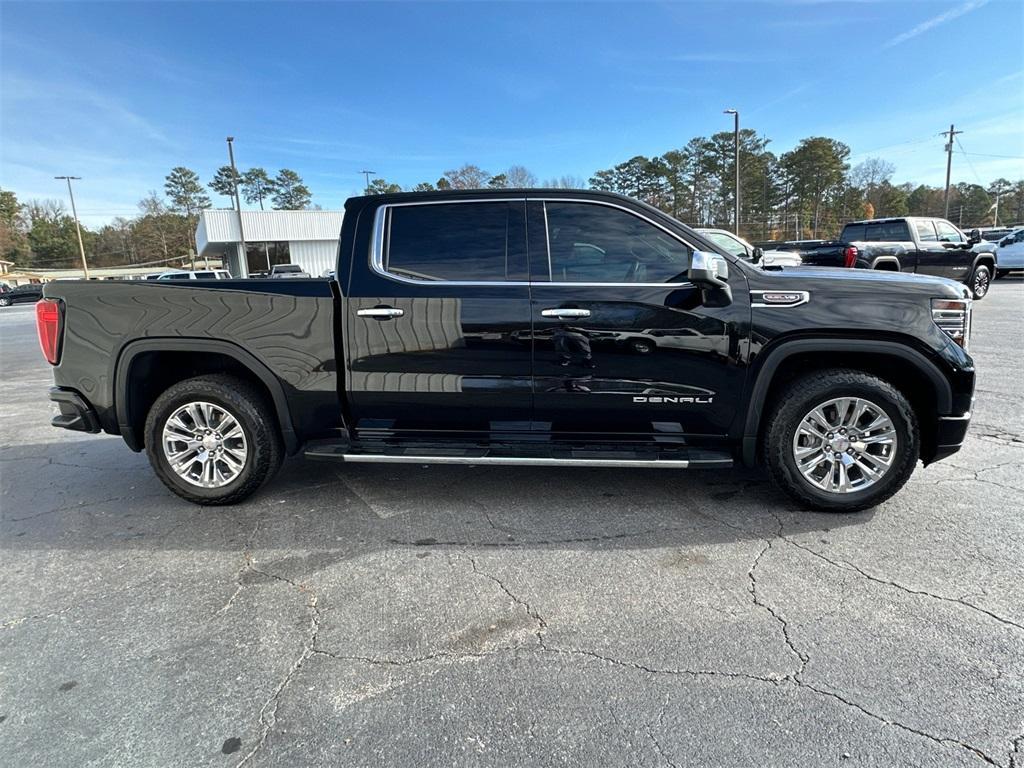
{"x": 529, "y": 327}
{"x": 908, "y": 244}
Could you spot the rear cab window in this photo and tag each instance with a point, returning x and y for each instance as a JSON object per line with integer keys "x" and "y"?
{"x": 852, "y": 233}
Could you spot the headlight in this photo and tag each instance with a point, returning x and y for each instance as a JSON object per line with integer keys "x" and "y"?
{"x": 953, "y": 316}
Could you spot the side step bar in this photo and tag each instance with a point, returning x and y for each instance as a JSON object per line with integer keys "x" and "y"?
{"x": 523, "y": 455}
{"x": 522, "y": 461}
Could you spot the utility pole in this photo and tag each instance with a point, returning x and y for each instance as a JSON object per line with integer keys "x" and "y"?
{"x": 78, "y": 227}
{"x": 736, "y": 147}
{"x": 368, "y": 174}
{"x": 243, "y": 258}
{"x": 949, "y": 163}
{"x": 764, "y": 197}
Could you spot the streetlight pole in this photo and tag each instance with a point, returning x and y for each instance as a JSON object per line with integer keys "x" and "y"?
{"x": 78, "y": 227}
{"x": 368, "y": 174}
{"x": 243, "y": 258}
{"x": 736, "y": 160}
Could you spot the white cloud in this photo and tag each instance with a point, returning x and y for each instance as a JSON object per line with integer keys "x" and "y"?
{"x": 935, "y": 21}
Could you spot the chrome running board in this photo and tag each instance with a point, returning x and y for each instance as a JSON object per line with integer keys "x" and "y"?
{"x": 522, "y": 454}
{"x": 524, "y": 461}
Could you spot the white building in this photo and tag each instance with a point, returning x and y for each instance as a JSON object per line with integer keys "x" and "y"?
{"x": 306, "y": 238}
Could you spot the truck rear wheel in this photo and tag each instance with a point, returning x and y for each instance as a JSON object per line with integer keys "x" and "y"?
{"x": 841, "y": 441}
{"x": 213, "y": 439}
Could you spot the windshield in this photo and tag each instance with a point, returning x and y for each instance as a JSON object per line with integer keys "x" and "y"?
{"x": 729, "y": 243}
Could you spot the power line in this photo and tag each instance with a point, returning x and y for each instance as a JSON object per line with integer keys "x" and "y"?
{"x": 985, "y": 154}
{"x": 970, "y": 165}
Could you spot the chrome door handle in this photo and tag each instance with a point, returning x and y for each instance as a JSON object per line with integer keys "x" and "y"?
{"x": 381, "y": 313}
{"x": 565, "y": 313}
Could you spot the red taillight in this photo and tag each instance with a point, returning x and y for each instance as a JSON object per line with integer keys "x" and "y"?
{"x": 48, "y": 324}
{"x": 849, "y": 256}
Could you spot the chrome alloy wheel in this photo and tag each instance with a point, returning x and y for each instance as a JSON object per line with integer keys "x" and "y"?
{"x": 204, "y": 445}
{"x": 845, "y": 445}
{"x": 982, "y": 280}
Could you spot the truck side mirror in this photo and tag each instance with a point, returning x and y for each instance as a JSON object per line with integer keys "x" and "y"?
{"x": 975, "y": 237}
{"x": 757, "y": 255}
{"x": 708, "y": 270}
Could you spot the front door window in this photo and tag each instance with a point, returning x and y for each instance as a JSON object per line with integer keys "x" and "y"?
{"x": 599, "y": 244}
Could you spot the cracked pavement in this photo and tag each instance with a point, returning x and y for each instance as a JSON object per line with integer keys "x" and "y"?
{"x": 372, "y": 615}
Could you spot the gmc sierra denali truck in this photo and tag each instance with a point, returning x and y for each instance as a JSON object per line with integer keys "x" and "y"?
{"x": 910, "y": 244}
{"x": 529, "y": 327}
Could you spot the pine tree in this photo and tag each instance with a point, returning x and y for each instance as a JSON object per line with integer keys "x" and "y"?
{"x": 185, "y": 191}
{"x": 290, "y": 194}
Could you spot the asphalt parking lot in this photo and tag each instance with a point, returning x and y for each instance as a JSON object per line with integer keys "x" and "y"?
{"x": 382, "y": 615}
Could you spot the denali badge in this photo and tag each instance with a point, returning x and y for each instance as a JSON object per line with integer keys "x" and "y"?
{"x": 779, "y": 298}
{"x": 698, "y": 400}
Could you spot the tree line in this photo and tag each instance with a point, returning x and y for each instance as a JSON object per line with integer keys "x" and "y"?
{"x": 807, "y": 192}
{"x": 40, "y": 234}
{"x": 471, "y": 176}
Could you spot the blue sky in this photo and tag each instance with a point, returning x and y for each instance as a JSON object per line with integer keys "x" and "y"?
{"x": 120, "y": 93}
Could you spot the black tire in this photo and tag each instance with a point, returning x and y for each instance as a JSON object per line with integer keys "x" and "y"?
{"x": 641, "y": 347}
{"x": 981, "y": 281}
{"x": 799, "y": 398}
{"x": 5, "y": 301}
{"x": 248, "y": 406}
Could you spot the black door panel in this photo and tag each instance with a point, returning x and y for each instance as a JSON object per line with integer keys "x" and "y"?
{"x": 946, "y": 255}
{"x": 646, "y": 361}
{"x": 622, "y": 344}
{"x": 454, "y": 359}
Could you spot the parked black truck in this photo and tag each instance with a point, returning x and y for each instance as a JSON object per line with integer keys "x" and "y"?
{"x": 563, "y": 328}
{"x": 918, "y": 244}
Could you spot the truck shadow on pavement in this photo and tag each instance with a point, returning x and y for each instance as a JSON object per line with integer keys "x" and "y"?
{"x": 91, "y": 493}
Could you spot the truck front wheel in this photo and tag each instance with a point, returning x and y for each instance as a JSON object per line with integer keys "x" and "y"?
{"x": 212, "y": 439}
{"x": 981, "y": 281}
{"x": 841, "y": 441}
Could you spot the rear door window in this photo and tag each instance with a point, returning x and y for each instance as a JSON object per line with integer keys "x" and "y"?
{"x": 887, "y": 231}
{"x": 460, "y": 242}
{"x": 895, "y": 231}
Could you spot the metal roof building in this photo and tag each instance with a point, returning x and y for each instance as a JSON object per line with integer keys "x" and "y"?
{"x": 306, "y": 238}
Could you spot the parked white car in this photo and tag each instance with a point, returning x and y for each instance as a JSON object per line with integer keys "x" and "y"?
{"x": 1010, "y": 252}
{"x": 737, "y": 246}
{"x": 288, "y": 270}
{"x": 197, "y": 274}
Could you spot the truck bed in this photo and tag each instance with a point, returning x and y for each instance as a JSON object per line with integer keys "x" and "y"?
{"x": 288, "y": 325}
